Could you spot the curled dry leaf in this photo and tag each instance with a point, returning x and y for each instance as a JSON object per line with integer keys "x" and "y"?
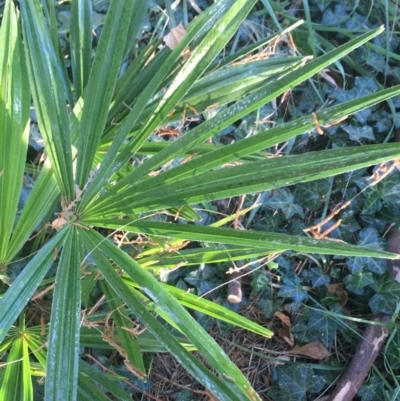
{"x": 315, "y": 350}
{"x": 283, "y": 358}
{"x": 78, "y": 193}
{"x": 284, "y": 319}
{"x": 58, "y": 223}
{"x": 338, "y": 290}
{"x": 174, "y": 37}
{"x": 331, "y": 77}
{"x": 284, "y": 331}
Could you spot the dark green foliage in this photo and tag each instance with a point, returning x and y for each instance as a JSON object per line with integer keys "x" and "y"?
{"x": 294, "y": 382}
{"x": 298, "y": 283}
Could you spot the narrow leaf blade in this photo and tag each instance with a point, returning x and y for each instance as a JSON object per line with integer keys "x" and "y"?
{"x": 18, "y": 295}
{"x": 81, "y": 43}
{"x": 14, "y": 122}
{"x": 63, "y": 353}
{"x": 224, "y": 389}
{"x": 273, "y": 241}
{"x": 101, "y": 84}
{"x": 48, "y": 93}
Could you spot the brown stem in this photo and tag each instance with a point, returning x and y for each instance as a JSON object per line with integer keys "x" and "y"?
{"x": 367, "y": 350}
{"x": 374, "y": 336}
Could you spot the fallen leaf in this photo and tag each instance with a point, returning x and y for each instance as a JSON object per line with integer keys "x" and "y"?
{"x": 315, "y": 350}
{"x": 289, "y": 339}
{"x": 327, "y": 75}
{"x": 175, "y": 36}
{"x": 282, "y": 358}
{"x": 284, "y": 319}
{"x": 338, "y": 290}
{"x": 78, "y": 193}
{"x": 59, "y": 223}
{"x": 284, "y": 331}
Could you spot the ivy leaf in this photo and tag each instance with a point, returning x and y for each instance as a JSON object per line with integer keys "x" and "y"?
{"x": 392, "y": 195}
{"x": 309, "y": 325}
{"x": 324, "y": 325}
{"x": 270, "y": 306}
{"x": 284, "y": 201}
{"x": 308, "y": 197}
{"x": 382, "y": 120}
{"x": 370, "y": 239}
{"x": 376, "y": 60}
{"x": 357, "y": 282}
{"x": 268, "y": 303}
{"x": 393, "y": 352}
{"x": 336, "y": 17}
{"x": 293, "y": 382}
{"x": 373, "y": 202}
{"x": 359, "y": 132}
{"x": 260, "y": 283}
{"x": 349, "y": 224}
{"x": 362, "y": 86}
{"x": 387, "y": 294}
{"x": 363, "y": 116}
{"x": 302, "y": 333}
{"x": 319, "y": 278}
{"x": 386, "y": 191}
{"x": 390, "y": 188}
{"x": 292, "y": 289}
{"x": 373, "y": 391}
{"x": 311, "y": 193}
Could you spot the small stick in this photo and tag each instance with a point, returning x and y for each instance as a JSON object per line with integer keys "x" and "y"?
{"x": 235, "y": 288}
{"x": 367, "y": 350}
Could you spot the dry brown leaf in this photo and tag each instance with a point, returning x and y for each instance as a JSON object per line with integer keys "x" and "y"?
{"x": 78, "y": 193}
{"x": 175, "y": 36}
{"x": 284, "y": 331}
{"x": 284, "y": 319}
{"x": 286, "y": 335}
{"x": 289, "y": 339}
{"x": 282, "y": 358}
{"x": 326, "y": 74}
{"x": 58, "y": 223}
{"x": 315, "y": 350}
{"x": 338, "y": 290}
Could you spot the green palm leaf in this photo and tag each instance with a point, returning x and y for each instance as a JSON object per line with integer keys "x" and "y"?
{"x": 45, "y": 76}
{"x": 99, "y": 176}
{"x": 14, "y": 123}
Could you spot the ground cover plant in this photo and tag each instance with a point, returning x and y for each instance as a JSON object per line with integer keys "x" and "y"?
{"x": 139, "y": 140}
